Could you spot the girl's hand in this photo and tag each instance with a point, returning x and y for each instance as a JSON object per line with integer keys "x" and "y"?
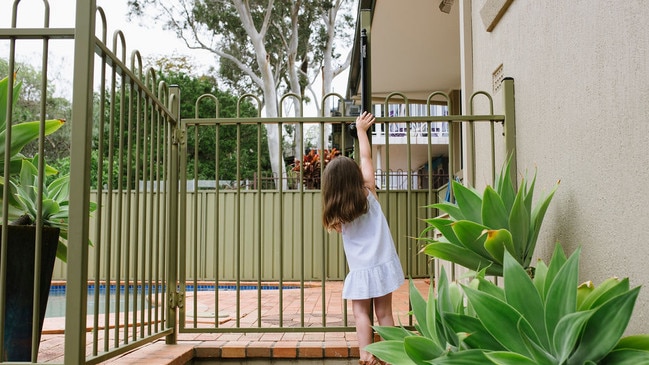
{"x": 364, "y": 121}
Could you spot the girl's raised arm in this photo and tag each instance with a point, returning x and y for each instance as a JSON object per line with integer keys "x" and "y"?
{"x": 363, "y": 124}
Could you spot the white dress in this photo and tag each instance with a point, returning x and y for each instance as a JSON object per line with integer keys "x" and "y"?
{"x": 374, "y": 266}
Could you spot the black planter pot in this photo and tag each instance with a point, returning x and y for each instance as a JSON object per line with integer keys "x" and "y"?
{"x": 20, "y": 287}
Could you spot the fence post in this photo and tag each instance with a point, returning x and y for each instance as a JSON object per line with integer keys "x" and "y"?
{"x": 172, "y": 224}
{"x": 510, "y": 127}
{"x": 82, "y": 103}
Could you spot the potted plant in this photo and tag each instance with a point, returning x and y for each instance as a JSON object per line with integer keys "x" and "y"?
{"x": 22, "y": 233}
{"x": 310, "y": 167}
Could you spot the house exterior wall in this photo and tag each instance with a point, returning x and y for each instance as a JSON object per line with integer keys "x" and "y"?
{"x": 581, "y": 71}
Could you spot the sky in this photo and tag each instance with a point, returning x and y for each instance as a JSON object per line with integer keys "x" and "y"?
{"x": 150, "y": 39}
{"x": 146, "y": 37}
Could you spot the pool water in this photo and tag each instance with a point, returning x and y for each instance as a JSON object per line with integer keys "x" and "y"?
{"x": 56, "y": 299}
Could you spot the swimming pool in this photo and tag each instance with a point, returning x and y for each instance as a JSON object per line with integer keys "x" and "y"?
{"x": 56, "y": 299}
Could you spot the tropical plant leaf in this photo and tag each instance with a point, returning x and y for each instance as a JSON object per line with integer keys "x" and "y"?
{"x": 608, "y": 289}
{"x": 627, "y": 357}
{"x": 391, "y": 352}
{"x": 418, "y": 309}
{"x": 468, "y": 201}
{"x": 522, "y": 295}
{"x": 451, "y": 209}
{"x": 479, "y": 337}
{"x": 421, "y": 349}
{"x": 444, "y": 226}
{"x": 461, "y": 256}
{"x": 392, "y": 333}
{"x": 494, "y": 213}
{"x": 466, "y": 357}
{"x": 509, "y": 358}
{"x": 499, "y": 318}
{"x": 540, "y": 273}
{"x": 504, "y": 185}
{"x": 538, "y": 213}
{"x": 470, "y": 235}
{"x": 634, "y": 342}
{"x": 556, "y": 263}
{"x": 605, "y": 328}
{"x": 561, "y": 299}
{"x": 519, "y": 225}
{"x": 567, "y": 333}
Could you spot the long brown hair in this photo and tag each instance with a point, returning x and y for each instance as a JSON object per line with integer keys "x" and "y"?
{"x": 343, "y": 192}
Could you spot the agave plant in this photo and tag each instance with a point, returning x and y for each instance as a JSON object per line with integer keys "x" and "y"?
{"x": 546, "y": 320}
{"x": 481, "y": 227}
{"x": 54, "y": 202}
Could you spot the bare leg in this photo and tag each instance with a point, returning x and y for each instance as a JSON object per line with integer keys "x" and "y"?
{"x": 361, "y": 309}
{"x": 383, "y": 310}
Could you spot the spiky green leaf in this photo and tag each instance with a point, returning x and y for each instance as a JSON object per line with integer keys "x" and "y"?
{"x": 605, "y": 328}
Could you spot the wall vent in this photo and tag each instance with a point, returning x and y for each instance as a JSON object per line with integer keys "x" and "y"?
{"x": 497, "y": 79}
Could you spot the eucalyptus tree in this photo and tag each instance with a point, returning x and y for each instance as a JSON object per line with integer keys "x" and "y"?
{"x": 264, "y": 46}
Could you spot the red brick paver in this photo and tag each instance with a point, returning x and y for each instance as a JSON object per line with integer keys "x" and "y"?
{"x": 274, "y": 345}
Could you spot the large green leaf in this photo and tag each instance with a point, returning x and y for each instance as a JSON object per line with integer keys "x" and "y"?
{"x": 421, "y": 349}
{"x": 392, "y": 352}
{"x": 561, "y": 299}
{"x": 4, "y": 88}
{"x": 608, "y": 289}
{"x": 470, "y": 235}
{"x": 605, "y": 328}
{"x": 504, "y": 185}
{"x": 519, "y": 225}
{"x": 540, "y": 273}
{"x": 392, "y": 333}
{"x": 467, "y": 357}
{"x": 444, "y": 226}
{"x": 451, "y": 209}
{"x": 536, "y": 220}
{"x": 418, "y": 308}
{"x": 509, "y": 358}
{"x": 500, "y": 319}
{"x": 479, "y": 337}
{"x": 627, "y": 357}
{"x": 567, "y": 333}
{"x": 494, "y": 214}
{"x": 461, "y": 256}
{"x": 634, "y": 342}
{"x": 556, "y": 263}
{"x": 469, "y": 202}
{"x": 23, "y": 133}
{"x": 522, "y": 295}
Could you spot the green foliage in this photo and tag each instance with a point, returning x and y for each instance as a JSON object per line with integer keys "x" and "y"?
{"x": 27, "y": 107}
{"x": 54, "y": 200}
{"x": 204, "y": 144}
{"x": 480, "y": 228}
{"x": 546, "y": 320}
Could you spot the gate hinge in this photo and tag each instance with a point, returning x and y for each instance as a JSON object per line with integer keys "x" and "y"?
{"x": 176, "y": 300}
{"x": 178, "y": 137}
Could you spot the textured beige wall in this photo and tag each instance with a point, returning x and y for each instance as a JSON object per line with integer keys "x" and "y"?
{"x": 581, "y": 71}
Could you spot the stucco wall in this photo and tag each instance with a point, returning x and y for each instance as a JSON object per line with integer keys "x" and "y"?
{"x": 581, "y": 71}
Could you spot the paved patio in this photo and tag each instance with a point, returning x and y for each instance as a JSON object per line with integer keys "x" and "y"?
{"x": 278, "y": 346}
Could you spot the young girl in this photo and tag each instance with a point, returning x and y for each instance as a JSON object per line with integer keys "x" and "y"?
{"x": 350, "y": 206}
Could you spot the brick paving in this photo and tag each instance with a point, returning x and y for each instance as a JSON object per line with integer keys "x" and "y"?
{"x": 242, "y": 346}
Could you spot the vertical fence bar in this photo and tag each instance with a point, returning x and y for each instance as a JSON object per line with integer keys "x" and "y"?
{"x": 510, "y": 127}
{"x": 77, "y": 273}
{"x": 172, "y": 223}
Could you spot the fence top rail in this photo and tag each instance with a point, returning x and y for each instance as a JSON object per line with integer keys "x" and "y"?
{"x": 36, "y": 33}
{"x": 379, "y": 120}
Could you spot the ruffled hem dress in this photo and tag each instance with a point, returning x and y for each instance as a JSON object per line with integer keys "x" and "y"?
{"x": 374, "y": 266}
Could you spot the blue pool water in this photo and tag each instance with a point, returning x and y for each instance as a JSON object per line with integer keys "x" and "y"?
{"x": 56, "y": 299}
